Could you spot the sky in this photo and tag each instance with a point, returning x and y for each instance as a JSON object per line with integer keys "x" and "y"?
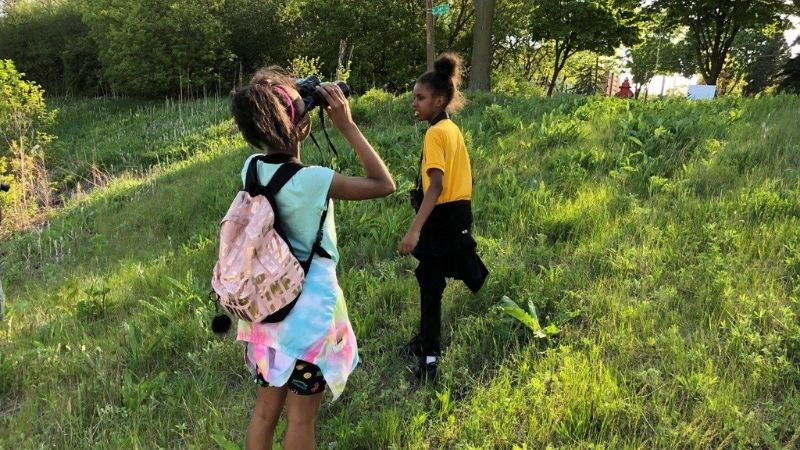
{"x": 792, "y": 34}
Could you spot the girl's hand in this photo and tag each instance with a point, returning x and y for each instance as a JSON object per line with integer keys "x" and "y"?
{"x": 377, "y": 181}
{"x": 408, "y": 243}
{"x": 338, "y": 107}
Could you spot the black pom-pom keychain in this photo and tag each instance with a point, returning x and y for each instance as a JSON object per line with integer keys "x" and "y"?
{"x": 221, "y": 323}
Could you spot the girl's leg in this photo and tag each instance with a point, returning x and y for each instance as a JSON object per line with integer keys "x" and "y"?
{"x": 301, "y": 415}
{"x": 431, "y": 287}
{"x": 269, "y": 404}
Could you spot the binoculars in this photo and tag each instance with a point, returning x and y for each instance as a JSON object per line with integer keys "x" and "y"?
{"x": 307, "y": 88}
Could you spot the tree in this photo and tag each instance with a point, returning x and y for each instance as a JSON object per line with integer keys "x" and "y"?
{"x": 662, "y": 51}
{"x": 756, "y": 59}
{"x": 479, "y": 75}
{"x": 457, "y": 27}
{"x": 575, "y": 25}
{"x": 587, "y": 82}
{"x": 385, "y": 51}
{"x": 250, "y": 24}
{"x": 790, "y": 76}
{"x": 714, "y": 24}
{"x": 763, "y": 70}
{"x": 519, "y": 61}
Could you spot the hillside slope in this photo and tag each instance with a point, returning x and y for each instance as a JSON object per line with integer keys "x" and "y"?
{"x": 661, "y": 238}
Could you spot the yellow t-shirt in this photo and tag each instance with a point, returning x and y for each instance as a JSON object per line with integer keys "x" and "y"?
{"x": 444, "y": 149}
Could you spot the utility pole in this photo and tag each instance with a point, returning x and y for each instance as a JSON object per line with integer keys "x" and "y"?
{"x": 658, "y": 57}
{"x": 431, "y": 32}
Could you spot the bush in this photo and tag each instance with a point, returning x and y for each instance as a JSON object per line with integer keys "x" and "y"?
{"x": 791, "y": 76}
{"x": 22, "y": 114}
{"x": 155, "y": 47}
{"x": 371, "y": 105}
{"x": 515, "y": 85}
{"x": 50, "y": 43}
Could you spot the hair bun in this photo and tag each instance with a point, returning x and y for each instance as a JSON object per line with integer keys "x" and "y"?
{"x": 448, "y": 64}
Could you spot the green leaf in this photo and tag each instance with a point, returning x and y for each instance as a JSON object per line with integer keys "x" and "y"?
{"x": 551, "y": 330}
{"x": 532, "y": 309}
{"x": 513, "y": 310}
{"x": 636, "y": 141}
{"x": 223, "y": 442}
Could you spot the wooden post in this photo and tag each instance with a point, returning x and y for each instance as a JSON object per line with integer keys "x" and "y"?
{"x": 431, "y": 32}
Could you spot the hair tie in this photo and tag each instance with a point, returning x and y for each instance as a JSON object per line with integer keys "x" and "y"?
{"x": 287, "y": 97}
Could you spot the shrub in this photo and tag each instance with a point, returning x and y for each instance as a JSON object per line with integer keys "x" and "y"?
{"x": 22, "y": 114}
{"x": 49, "y": 41}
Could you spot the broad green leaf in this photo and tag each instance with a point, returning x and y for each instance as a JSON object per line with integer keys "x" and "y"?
{"x": 223, "y": 442}
{"x": 513, "y": 310}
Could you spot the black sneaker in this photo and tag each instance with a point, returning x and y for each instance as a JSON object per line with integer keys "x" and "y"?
{"x": 413, "y": 348}
{"x": 426, "y": 372}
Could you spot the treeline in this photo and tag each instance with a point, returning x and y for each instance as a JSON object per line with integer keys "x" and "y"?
{"x": 157, "y": 47}
{"x": 154, "y": 48}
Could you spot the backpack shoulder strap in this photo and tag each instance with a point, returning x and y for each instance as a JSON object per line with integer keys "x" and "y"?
{"x": 282, "y": 176}
{"x": 289, "y": 167}
{"x": 316, "y": 248}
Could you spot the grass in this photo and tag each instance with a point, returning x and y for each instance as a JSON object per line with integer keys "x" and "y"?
{"x": 660, "y": 238}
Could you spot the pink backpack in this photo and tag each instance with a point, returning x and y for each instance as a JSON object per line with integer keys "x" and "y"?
{"x": 257, "y": 277}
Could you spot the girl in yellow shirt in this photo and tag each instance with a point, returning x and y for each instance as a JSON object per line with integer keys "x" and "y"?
{"x": 439, "y": 236}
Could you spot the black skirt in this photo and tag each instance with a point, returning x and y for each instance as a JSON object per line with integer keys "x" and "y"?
{"x": 446, "y": 240}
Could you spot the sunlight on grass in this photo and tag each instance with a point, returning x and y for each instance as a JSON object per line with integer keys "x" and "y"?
{"x": 660, "y": 238}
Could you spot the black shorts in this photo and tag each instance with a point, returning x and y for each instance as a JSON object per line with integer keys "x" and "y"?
{"x": 306, "y": 379}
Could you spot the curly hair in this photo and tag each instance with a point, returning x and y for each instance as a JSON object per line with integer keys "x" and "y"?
{"x": 260, "y": 112}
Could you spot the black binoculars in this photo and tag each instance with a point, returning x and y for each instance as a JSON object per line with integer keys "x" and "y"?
{"x": 307, "y": 88}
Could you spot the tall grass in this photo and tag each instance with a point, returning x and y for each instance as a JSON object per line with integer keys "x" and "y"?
{"x": 661, "y": 238}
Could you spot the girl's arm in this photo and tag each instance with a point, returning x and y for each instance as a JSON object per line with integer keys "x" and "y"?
{"x": 377, "y": 181}
{"x": 428, "y": 203}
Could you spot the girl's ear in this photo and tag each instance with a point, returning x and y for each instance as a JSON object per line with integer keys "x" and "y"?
{"x": 303, "y": 128}
{"x": 438, "y": 101}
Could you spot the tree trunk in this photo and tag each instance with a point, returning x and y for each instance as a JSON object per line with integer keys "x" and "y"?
{"x": 551, "y": 83}
{"x": 480, "y": 71}
{"x": 561, "y": 56}
{"x": 597, "y": 70}
{"x": 716, "y": 69}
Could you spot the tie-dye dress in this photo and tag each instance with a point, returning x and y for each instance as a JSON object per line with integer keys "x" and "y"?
{"x": 318, "y": 329}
